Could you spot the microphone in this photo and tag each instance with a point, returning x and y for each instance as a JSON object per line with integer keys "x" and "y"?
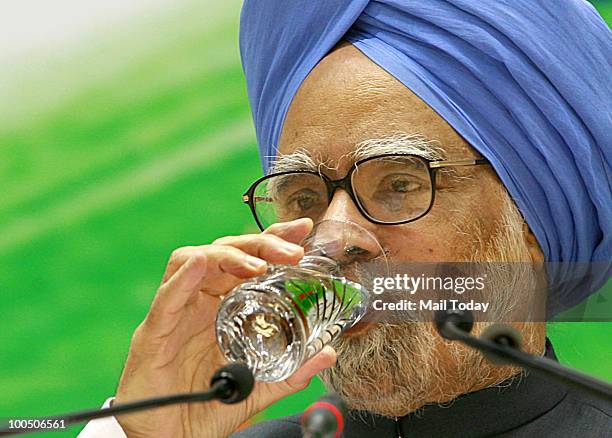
{"x": 324, "y": 418}
{"x": 229, "y": 384}
{"x": 501, "y": 344}
{"x": 234, "y": 383}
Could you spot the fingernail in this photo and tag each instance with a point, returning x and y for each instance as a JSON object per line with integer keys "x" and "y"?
{"x": 300, "y": 221}
{"x": 295, "y": 222}
{"x": 255, "y": 262}
{"x": 328, "y": 349}
{"x": 291, "y": 248}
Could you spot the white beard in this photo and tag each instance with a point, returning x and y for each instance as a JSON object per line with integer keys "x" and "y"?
{"x": 394, "y": 369}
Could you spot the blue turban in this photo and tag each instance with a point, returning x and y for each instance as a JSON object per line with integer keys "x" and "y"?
{"x": 526, "y": 82}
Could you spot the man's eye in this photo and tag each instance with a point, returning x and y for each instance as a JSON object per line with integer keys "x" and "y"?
{"x": 400, "y": 184}
{"x": 302, "y": 201}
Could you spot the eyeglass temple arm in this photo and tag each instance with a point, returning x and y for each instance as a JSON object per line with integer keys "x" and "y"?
{"x": 246, "y": 198}
{"x": 452, "y": 163}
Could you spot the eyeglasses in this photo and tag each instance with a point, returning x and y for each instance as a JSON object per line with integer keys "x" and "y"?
{"x": 387, "y": 190}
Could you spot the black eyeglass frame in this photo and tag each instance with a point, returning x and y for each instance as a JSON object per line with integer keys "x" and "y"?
{"x": 346, "y": 183}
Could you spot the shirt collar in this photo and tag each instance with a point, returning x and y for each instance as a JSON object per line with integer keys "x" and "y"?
{"x": 487, "y": 412}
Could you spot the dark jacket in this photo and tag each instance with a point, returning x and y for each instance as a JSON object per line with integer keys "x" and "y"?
{"x": 529, "y": 406}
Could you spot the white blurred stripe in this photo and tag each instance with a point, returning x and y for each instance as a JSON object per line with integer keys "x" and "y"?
{"x": 43, "y": 24}
{"x": 132, "y": 184}
{"x": 39, "y": 76}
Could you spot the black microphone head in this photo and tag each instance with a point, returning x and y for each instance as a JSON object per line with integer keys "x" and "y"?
{"x": 503, "y": 335}
{"x": 239, "y": 382}
{"x": 462, "y": 319}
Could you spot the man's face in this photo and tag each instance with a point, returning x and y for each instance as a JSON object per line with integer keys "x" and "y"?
{"x": 346, "y": 100}
{"x": 348, "y": 107}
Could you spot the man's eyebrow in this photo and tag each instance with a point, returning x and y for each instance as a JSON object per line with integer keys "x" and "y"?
{"x": 300, "y": 159}
{"x": 415, "y": 144}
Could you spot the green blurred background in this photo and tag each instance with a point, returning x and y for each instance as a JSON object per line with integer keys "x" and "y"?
{"x": 125, "y": 133}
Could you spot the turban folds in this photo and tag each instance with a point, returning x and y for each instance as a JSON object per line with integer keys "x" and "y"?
{"x": 526, "y": 82}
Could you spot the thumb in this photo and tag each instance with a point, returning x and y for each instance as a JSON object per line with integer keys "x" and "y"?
{"x": 272, "y": 392}
{"x": 301, "y": 378}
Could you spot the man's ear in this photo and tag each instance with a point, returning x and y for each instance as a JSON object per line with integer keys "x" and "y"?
{"x": 537, "y": 256}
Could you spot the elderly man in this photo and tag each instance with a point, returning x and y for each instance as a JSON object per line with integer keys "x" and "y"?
{"x": 470, "y": 131}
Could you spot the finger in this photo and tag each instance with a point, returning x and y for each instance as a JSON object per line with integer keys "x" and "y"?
{"x": 172, "y": 295}
{"x": 278, "y": 245}
{"x": 272, "y": 392}
{"x": 294, "y": 231}
{"x": 216, "y": 269}
{"x": 177, "y": 259}
{"x": 228, "y": 260}
{"x": 265, "y": 246}
{"x": 237, "y": 263}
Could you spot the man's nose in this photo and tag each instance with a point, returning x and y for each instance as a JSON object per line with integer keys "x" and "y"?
{"x": 344, "y": 223}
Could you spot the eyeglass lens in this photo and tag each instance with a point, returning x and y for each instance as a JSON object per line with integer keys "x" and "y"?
{"x": 388, "y": 189}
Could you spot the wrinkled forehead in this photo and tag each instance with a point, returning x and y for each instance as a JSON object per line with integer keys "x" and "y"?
{"x": 349, "y": 107}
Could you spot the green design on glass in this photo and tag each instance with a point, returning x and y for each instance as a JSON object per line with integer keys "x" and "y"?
{"x": 308, "y": 293}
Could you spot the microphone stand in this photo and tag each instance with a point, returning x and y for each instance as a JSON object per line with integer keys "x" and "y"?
{"x": 230, "y": 384}
{"x": 502, "y": 345}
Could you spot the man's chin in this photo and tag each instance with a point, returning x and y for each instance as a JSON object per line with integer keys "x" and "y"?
{"x": 379, "y": 366}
